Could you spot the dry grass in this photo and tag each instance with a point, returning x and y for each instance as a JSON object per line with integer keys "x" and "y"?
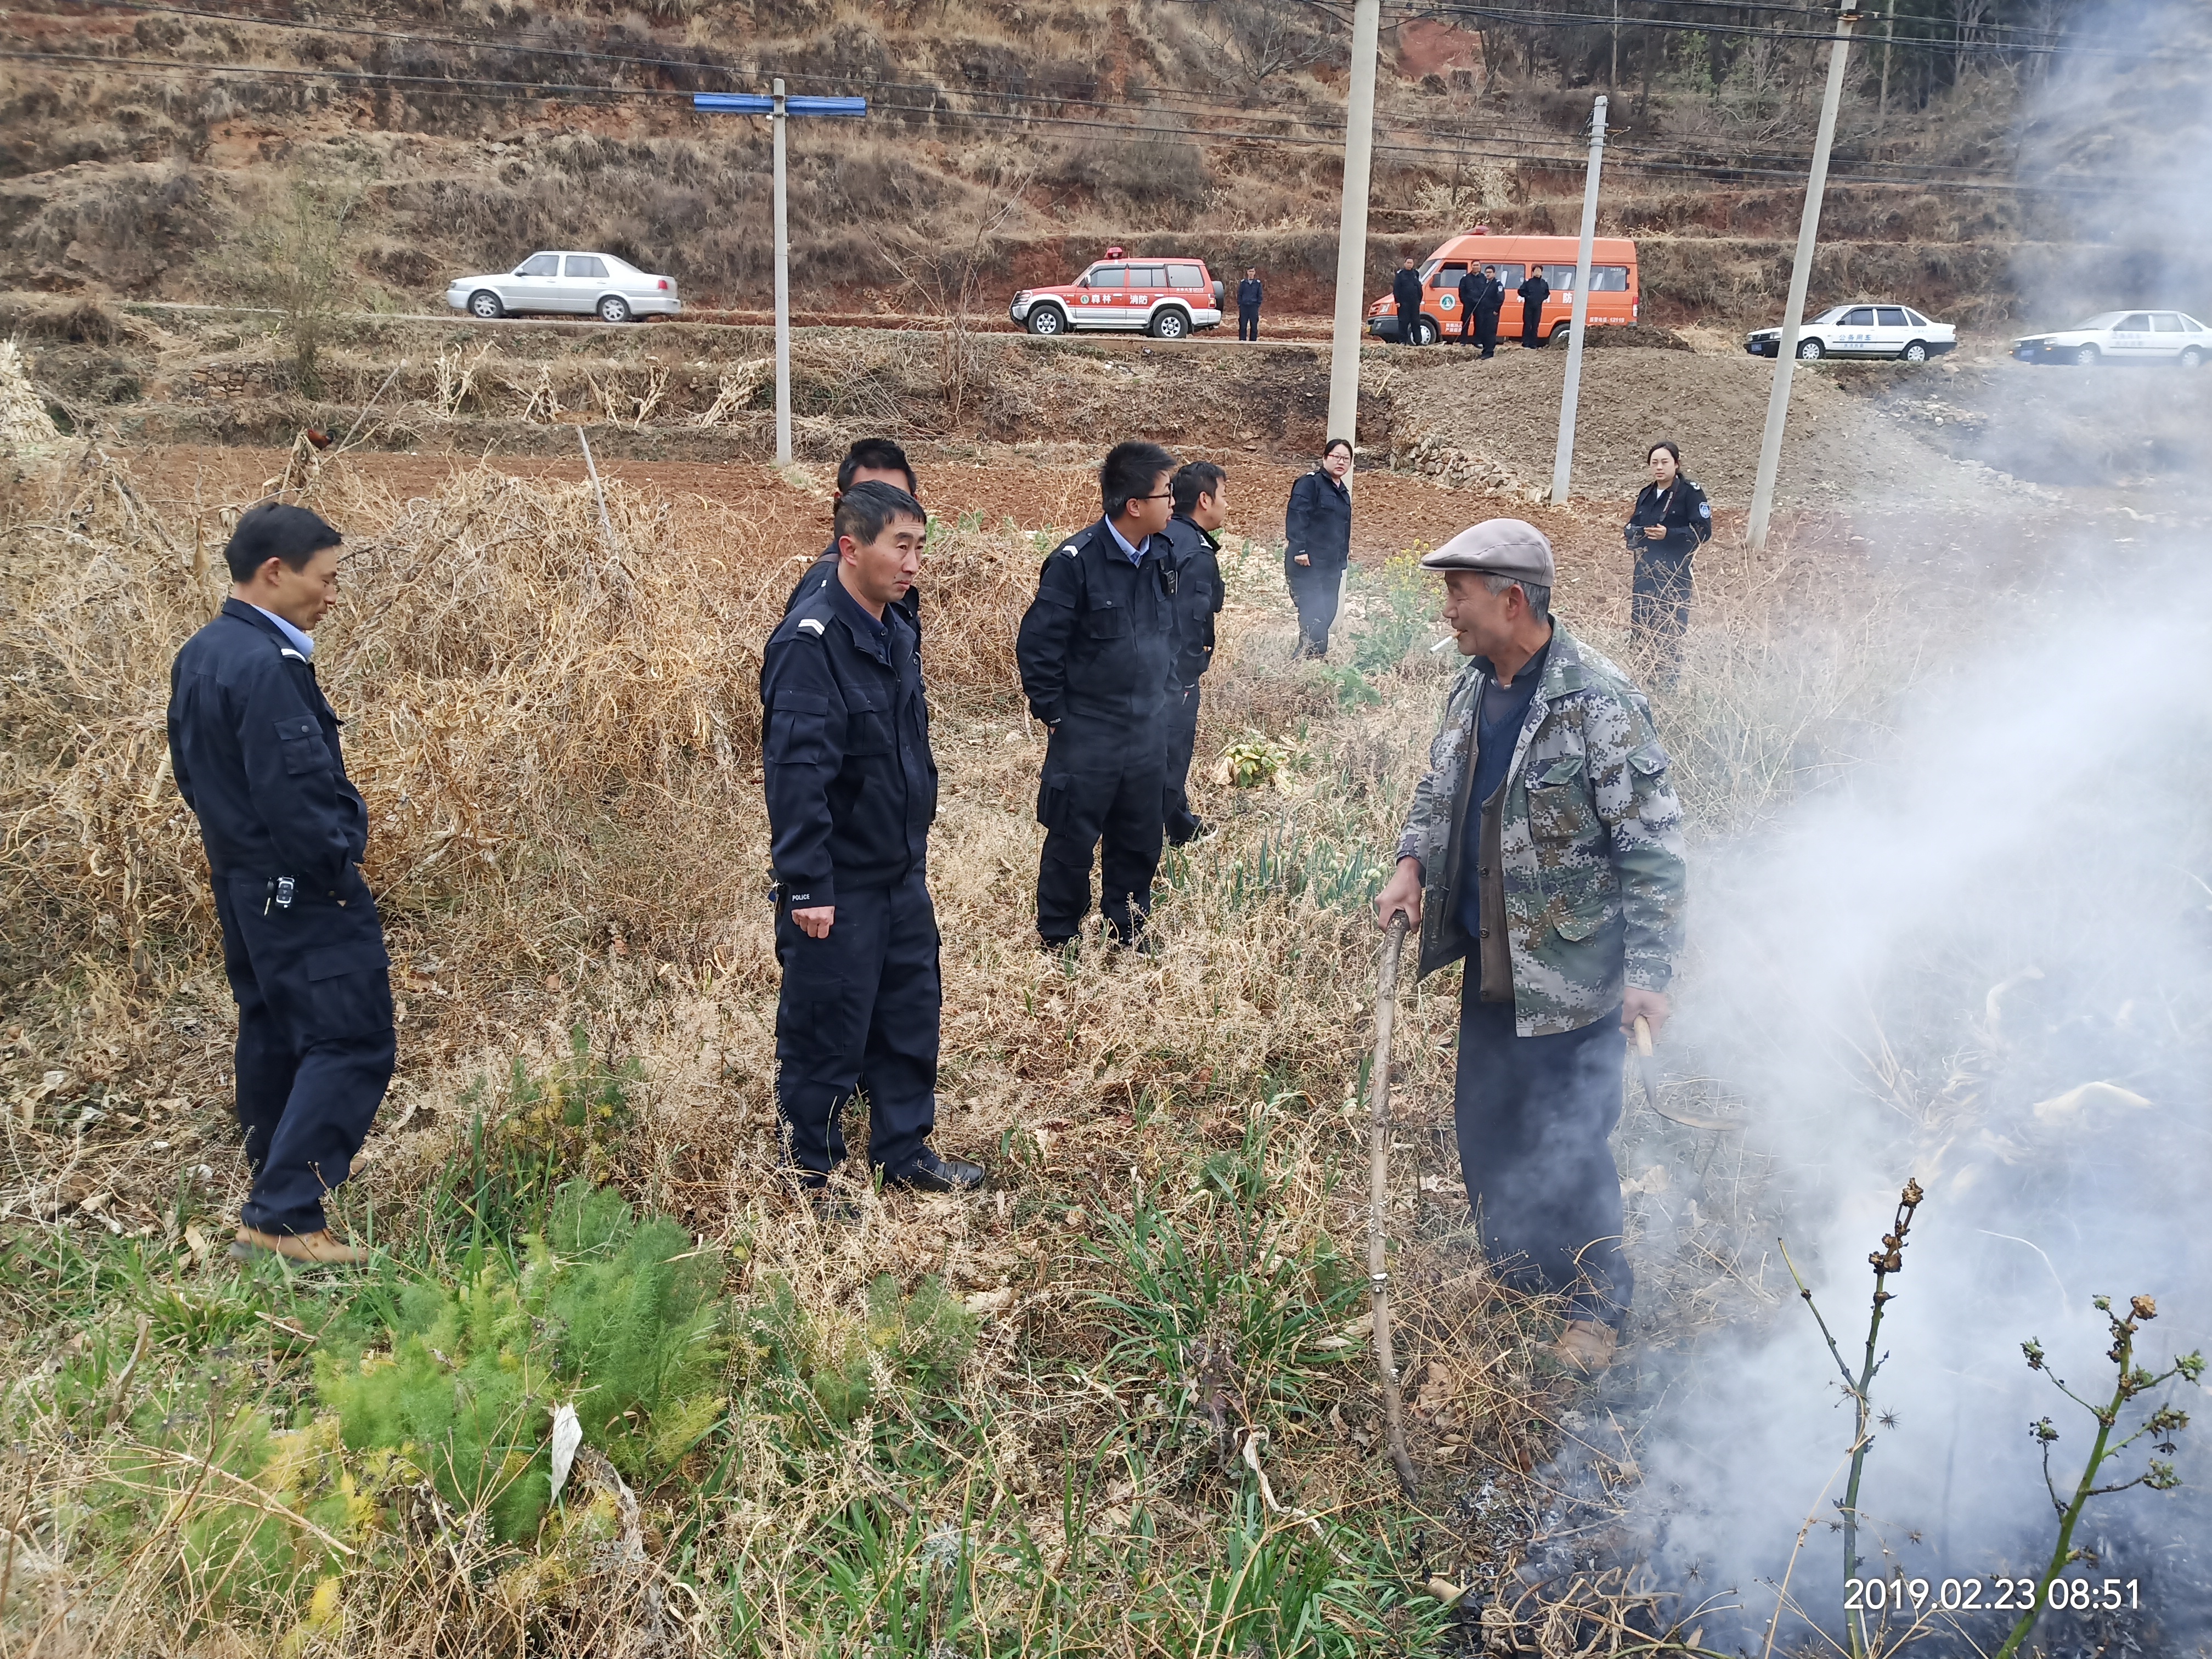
{"x": 558, "y": 741}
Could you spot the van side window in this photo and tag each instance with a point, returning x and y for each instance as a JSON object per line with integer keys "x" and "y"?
{"x": 1148, "y": 277}
{"x": 1561, "y": 277}
{"x": 1448, "y": 276}
{"x": 1184, "y": 277}
{"x": 1608, "y": 279}
{"x": 1512, "y": 276}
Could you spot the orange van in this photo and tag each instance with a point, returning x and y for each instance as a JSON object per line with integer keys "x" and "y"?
{"x": 1614, "y": 294}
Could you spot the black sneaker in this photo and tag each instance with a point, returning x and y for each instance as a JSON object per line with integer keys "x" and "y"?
{"x": 932, "y": 1173}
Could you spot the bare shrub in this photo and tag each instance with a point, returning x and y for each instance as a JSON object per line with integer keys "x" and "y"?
{"x": 294, "y": 256}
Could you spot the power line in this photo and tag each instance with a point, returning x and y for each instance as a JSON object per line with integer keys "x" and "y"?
{"x": 1460, "y": 131}
{"x": 698, "y": 68}
{"x": 510, "y": 91}
{"x": 1538, "y": 15}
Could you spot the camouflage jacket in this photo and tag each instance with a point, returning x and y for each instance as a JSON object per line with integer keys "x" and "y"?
{"x": 1592, "y": 837}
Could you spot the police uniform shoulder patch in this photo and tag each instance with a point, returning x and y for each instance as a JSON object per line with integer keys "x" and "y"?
{"x": 1071, "y": 550}
{"x": 810, "y": 623}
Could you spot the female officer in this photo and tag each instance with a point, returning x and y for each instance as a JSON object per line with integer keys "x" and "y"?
{"x": 1672, "y": 517}
{"x": 1317, "y": 544}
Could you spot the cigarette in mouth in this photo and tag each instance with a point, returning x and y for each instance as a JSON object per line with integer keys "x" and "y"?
{"x": 1442, "y": 643}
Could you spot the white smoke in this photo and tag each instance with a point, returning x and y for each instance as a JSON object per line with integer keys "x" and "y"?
{"x": 1914, "y": 976}
{"x": 1916, "y": 972}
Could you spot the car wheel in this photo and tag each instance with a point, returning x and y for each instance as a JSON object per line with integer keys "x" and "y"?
{"x": 614, "y": 309}
{"x": 485, "y": 304}
{"x": 1810, "y": 352}
{"x": 2086, "y": 356}
{"x": 1915, "y": 353}
{"x": 2191, "y": 357}
{"x": 1047, "y": 319}
{"x": 1427, "y": 332}
{"x": 1170, "y": 326}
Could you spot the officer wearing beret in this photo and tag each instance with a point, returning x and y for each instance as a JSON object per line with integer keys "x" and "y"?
{"x": 254, "y": 747}
{"x": 1096, "y": 653}
{"x": 851, "y": 791}
{"x": 1545, "y": 846}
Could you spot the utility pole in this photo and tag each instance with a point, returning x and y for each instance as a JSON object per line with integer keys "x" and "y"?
{"x": 777, "y": 119}
{"x": 1351, "y": 225}
{"x": 1888, "y": 31}
{"x": 779, "y": 109}
{"x": 1800, "y": 276}
{"x": 1563, "y": 459}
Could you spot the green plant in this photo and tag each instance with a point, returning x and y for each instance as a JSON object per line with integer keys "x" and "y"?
{"x": 832, "y": 1365}
{"x": 1352, "y": 688}
{"x": 1226, "y": 1315}
{"x": 1254, "y": 762}
{"x": 1400, "y": 606}
{"x": 1889, "y": 1259}
{"x": 2131, "y": 1382}
{"x": 619, "y": 1315}
{"x": 566, "y": 1125}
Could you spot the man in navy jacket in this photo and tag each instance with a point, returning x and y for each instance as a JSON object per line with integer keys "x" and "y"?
{"x": 1249, "y": 295}
{"x": 1096, "y": 651}
{"x": 254, "y": 746}
{"x": 852, "y": 792}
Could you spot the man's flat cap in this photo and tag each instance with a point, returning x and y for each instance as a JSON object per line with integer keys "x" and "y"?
{"x": 1497, "y": 547}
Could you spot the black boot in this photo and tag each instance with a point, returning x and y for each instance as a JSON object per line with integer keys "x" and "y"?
{"x": 931, "y": 1173}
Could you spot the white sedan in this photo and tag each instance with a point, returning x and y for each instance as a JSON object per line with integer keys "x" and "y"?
{"x": 1869, "y": 331}
{"x": 2121, "y": 337}
{"x": 575, "y": 284}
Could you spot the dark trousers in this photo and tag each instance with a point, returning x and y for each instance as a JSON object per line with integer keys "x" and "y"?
{"x": 316, "y": 1043}
{"x": 1659, "y": 604}
{"x": 1102, "y": 792}
{"x": 1248, "y": 322}
{"x": 1409, "y": 320}
{"x": 1181, "y": 824}
{"x": 859, "y": 1013}
{"x": 1533, "y": 1115}
{"x": 1532, "y": 326}
{"x": 1315, "y": 590}
{"x": 1486, "y": 332}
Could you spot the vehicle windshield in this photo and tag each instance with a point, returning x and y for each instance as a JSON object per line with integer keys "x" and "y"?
{"x": 2102, "y": 320}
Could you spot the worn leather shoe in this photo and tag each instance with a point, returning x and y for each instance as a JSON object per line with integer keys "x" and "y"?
{"x": 932, "y": 1173}
{"x": 313, "y": 1249}
{"x": 1586, "y": 1345}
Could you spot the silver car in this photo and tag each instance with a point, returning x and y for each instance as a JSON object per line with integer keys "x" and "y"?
{"x": 565, "y": 283}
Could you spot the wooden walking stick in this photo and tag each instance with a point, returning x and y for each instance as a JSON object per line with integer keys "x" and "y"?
{"x": 1378, "y": 1197}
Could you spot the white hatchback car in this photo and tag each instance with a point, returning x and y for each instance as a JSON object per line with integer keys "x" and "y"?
{"x": 1867, "y": 331}
{"x": 2121, "y": 337}
{"x": 575, "y": 284}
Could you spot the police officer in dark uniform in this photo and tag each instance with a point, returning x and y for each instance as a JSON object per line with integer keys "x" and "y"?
{"x": 1249, "y": 295}
{"x": 254, "y": 746}
{"x": 1533, "y": 292}
{"x": 1317, "y": 545}
{"x": 1489, "y": 299}
{"x": 1405, "y": 289}
{"x": 1470, "y": 303}
{"x": 851, "y": 791}
{"x": 1671, "y": 521}
{"x": 1096, "y": 651}
{"x": 870, "y": 460}
{"x": 1202, "y": 507}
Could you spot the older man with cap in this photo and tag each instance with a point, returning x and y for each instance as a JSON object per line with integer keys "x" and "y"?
{"x": 254, "y": 746}
{"x": 1545, "y": 846}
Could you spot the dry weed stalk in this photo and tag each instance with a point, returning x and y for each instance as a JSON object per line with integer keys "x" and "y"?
{"x": 1886, "y": 1260}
